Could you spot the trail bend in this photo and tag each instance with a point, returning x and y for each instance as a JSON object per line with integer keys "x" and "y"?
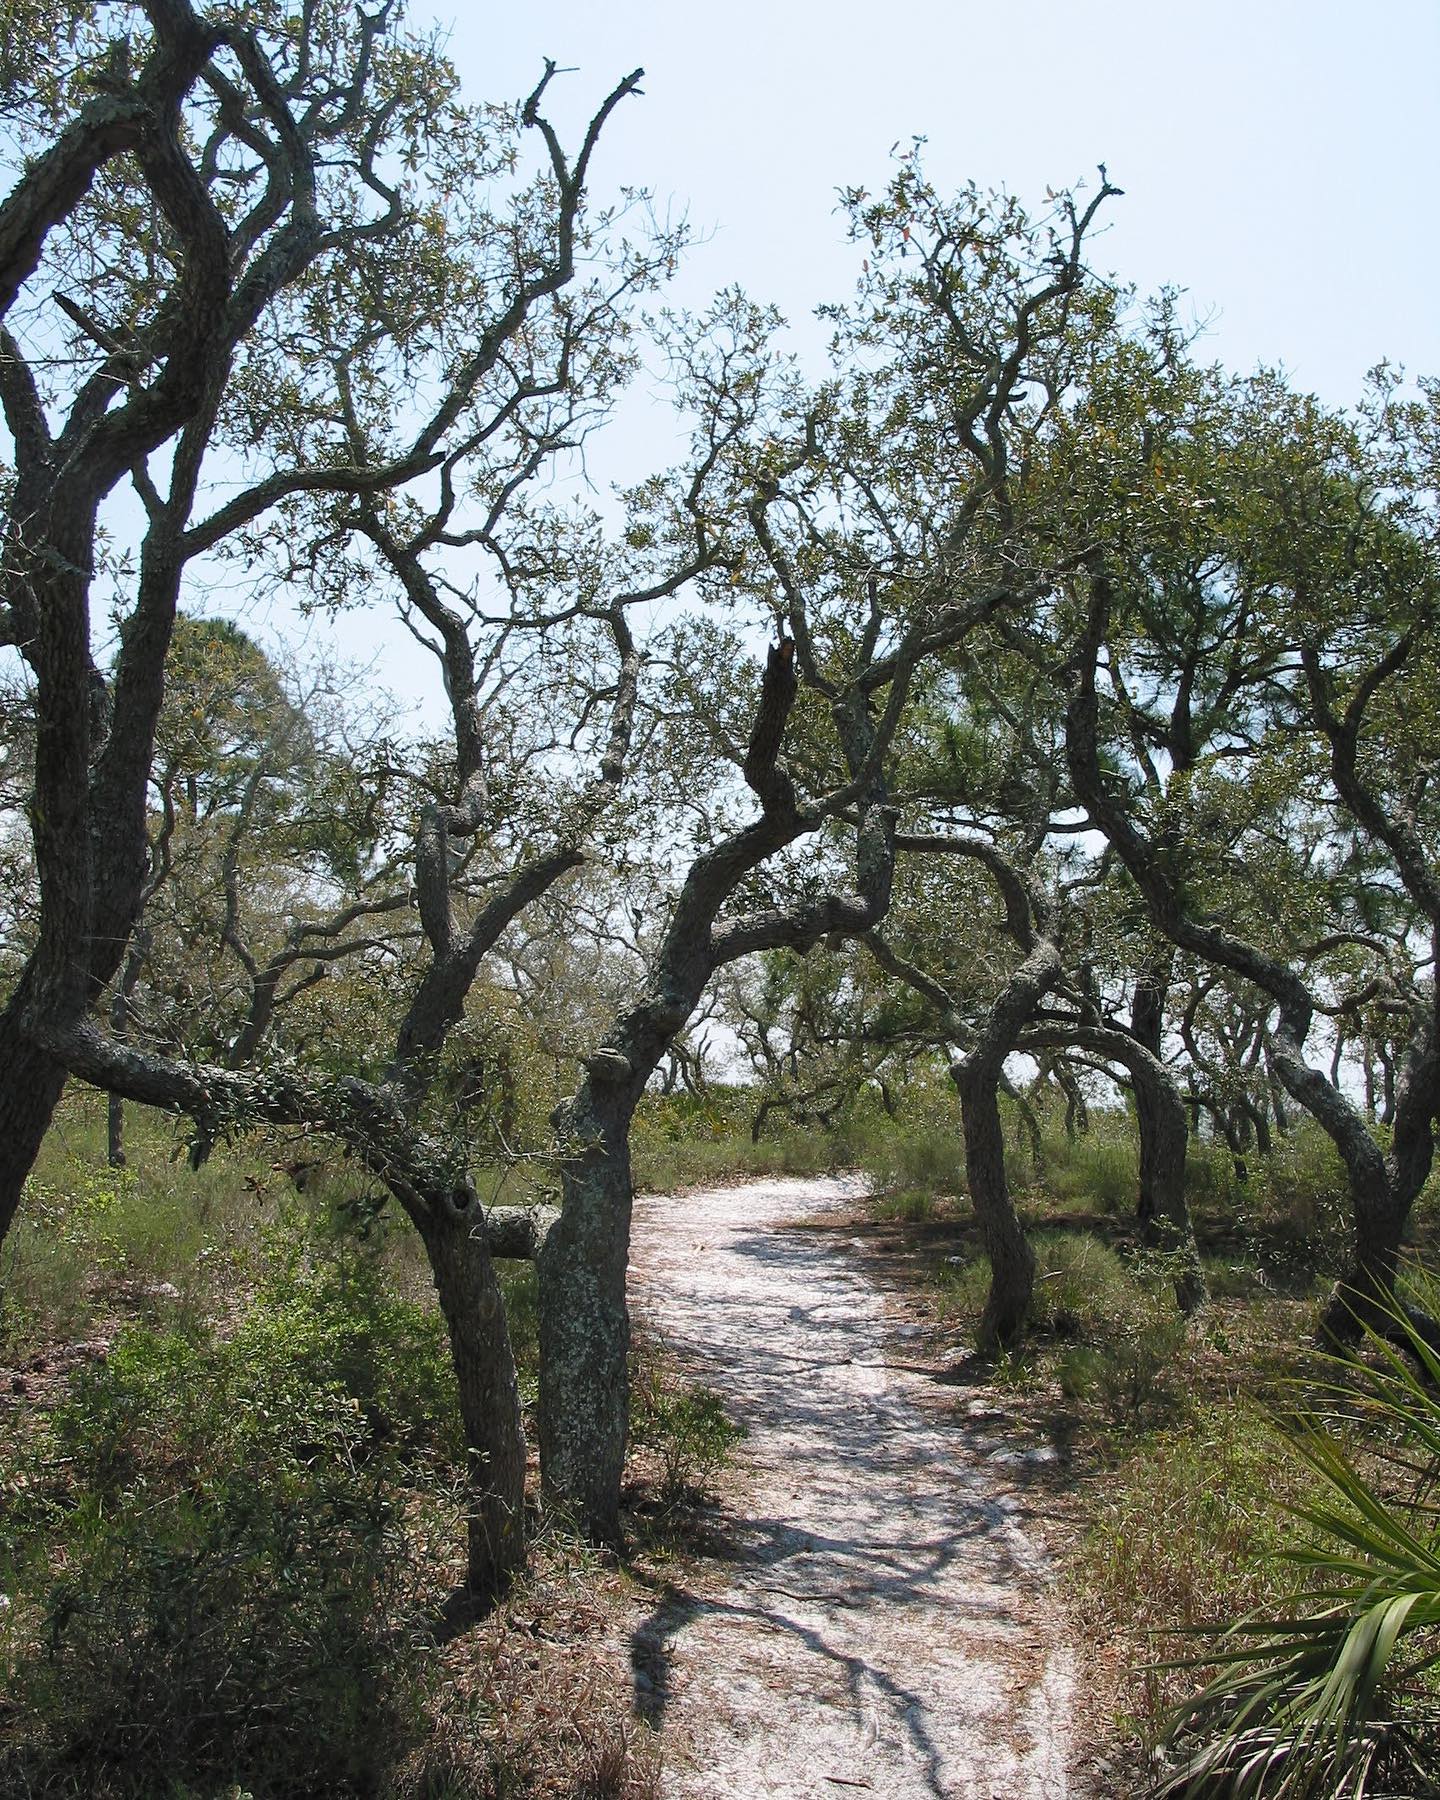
{"x": 886, "y": 1625}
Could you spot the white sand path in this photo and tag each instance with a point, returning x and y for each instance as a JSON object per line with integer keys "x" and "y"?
{"x": 887, "y": 1628}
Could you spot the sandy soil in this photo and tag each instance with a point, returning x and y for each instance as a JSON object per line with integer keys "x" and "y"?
{"x": 887, "y": 1626}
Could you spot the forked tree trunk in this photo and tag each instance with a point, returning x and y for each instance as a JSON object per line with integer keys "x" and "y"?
{"x": 484, "y": 1364}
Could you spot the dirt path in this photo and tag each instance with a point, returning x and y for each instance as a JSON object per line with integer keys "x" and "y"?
{"x": 887, "y": 1627}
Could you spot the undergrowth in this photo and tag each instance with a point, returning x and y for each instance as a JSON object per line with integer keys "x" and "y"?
{"x": 231, "y": 1505}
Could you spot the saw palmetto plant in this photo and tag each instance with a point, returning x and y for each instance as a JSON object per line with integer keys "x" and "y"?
{"x": 1336, "y": 1694}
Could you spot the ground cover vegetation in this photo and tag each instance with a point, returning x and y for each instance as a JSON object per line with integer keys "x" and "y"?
{"x": 1027, "y": 718}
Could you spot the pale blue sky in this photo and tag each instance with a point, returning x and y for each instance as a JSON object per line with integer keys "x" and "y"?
{"x": 1279, "y": 159}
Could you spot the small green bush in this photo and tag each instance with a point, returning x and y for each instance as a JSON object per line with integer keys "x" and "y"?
{"x": 1212, "y": 1185}
{"x": 1097, "y": 1170}
{"x": 685, "y": 1426}
{"x": 930, "y": 1158}
{"x": 912, "y": 1205}
{"x": 1081, "y": 1285}
{"x": 1304, "y": 1190}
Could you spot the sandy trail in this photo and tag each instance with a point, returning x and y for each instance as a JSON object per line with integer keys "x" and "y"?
{"x": 887, "y": 1627}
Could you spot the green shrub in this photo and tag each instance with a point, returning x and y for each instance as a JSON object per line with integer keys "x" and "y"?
{"x": 685, "y": 1426}
{"x": 1081, "y": 1285}
{"x": 963, "y": 1283}
{"x": 928, "y": 1158}
{"x": 214, "y": 1549}
{"x": 1212, "y": 1185}
{"x": 912, "y": 1205}
{"x": 1097, "y": 1170}
{"x": 334, "y": 1320}
{"x": 1304, "y": 1190}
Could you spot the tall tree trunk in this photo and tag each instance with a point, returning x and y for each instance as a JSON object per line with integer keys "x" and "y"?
{"x": 115, "y": 1132}
{"x": 1163, "y": 1212}
{"x": 1012, "y": 1262}
{"x": 1365, "y": 1292}
{"x": 484, "y": 1364}
{"x": 584, "y": 1324}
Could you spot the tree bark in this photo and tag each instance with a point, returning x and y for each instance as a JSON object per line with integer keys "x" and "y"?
{"x": 484, "y": 1366}
{"x": 1162, "y": 1210}
{"x": 584, "y": 1323}
{"x": 1012, "y": 1261}
{"x": 31, "y": 1083}
{"x": 977, "y": 1079}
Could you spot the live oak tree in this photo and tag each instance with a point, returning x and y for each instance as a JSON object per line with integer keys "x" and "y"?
{"x": 272, "y": 217}
{"x": 1232, "y": 731}
{"x": 322, "y": 322}
{"x": 989, "y": 999}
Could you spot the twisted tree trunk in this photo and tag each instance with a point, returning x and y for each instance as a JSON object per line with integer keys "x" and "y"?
{"x": 1012, "y": 1261}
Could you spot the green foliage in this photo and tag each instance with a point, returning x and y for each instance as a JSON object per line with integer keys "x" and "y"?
{"x": 1099, "y": 1169}
{"x": 1304, "y": 1189}
{"x": 912, "y": 1205}
{"x": 930, "y": 1157}
{"x": 1081, "y": 1285}
{"x": 84, "y": 1232}
{"x": 1132, "y": 1377}
{"x": 679, "y": 1142}
{"x": 685, "y": 1427}
{"x": 215, "y": 1546}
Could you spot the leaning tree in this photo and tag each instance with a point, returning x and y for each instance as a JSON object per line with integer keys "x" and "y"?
{"x": 233, "y": 245}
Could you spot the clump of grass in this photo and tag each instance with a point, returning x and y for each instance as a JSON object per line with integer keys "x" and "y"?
{"x": 929, "y": 1159}
{"x": 531, "y": 1703}
{"x": 1082, "y": 1288}
{"x": 1180, "y": 1535}
{"x": 912, "y": 1206}
{"x": 1212, "y": 1184}
{"x": 682, "y": 1426}
{"x": 1303, "y": 1193}
{"x": 1132, "y": 1377}
{"x": 1097, "y": 1170}
{"x": 1081, "y": 1285}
